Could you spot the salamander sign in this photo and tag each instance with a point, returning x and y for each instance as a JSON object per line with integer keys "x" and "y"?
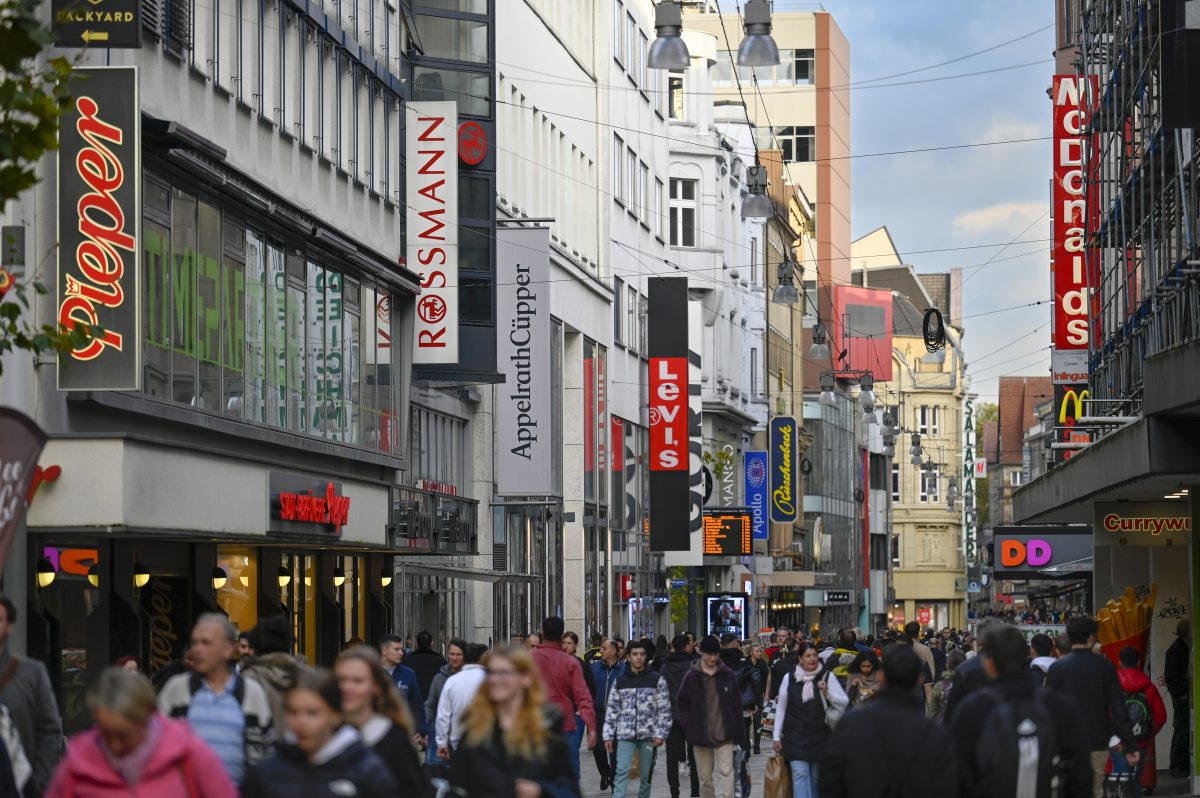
{"x": 99, "y": 218}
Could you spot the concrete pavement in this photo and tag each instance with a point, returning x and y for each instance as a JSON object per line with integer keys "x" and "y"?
{"x": 590, "y": 781}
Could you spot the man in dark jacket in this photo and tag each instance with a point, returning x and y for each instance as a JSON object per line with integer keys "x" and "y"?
{"x": 1100, "y": 708}
{"x": 562, "y": 678}
{"x": 1177, "y": 675}
{"x": 27, "y": 693}
{"x": 605, "y": 672}
{"x": 677, "y": 664}
{"x": 971, "y": 676}
{"x": 425, "y": 662}
{"x": 710, "y": 712}
{"x": 1005, "y": 659}
{"x": 893, "y": 731}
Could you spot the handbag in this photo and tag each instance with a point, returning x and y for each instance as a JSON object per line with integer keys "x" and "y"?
{"x": 777, "y": 780}
{"x": 832, "y": 713}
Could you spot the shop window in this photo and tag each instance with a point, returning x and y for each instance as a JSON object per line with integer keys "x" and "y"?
{"x": 464, "y": 6}
{"x": 453, "y": 39}
{"x": 238, "y": 597}
{"x": 247, "y": 327}
{"x": 471, "y": 90}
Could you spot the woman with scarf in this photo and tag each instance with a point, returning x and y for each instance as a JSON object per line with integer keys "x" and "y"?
{"x": 801, "y": 727}
{"x": 132, "y": 750}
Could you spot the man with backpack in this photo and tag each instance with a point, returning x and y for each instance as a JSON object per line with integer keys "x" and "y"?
{"x": 1147, "y": 713}
{"x": 677, "y": 664}
{"x": 1041, "y": 649}
{"x": 750, "y": 686}
{"x": 1100, "y": 710}
{"x": 901, "y": 742}
{"x": 1015, "y": 738}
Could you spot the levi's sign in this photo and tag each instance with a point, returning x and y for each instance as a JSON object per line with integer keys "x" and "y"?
{"x": 668, "y": 414}
{"x": 431, "y": 134}
{"x": 99, "y": 213}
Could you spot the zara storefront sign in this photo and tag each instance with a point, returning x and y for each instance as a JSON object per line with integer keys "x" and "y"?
{"x": 523, "y": 439}
{"x": 99, "y": 220}
{"x": 431, "y": 133}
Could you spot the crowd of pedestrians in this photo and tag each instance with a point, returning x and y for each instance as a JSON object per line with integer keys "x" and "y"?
{"x": 991, "y": 714}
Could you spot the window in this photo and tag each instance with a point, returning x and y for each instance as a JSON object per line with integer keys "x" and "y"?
{"x": 631, "y": 42}
{"x": 644, "y": 72}
{"x": 796, "y": 144}
{"x": 935, "y": 417}
{"x": 632, "y": 320}
{"x": 879, "y": 552}
{"x": 754, "y": 371}
{"x": 618, "y": 28}
{"x": 631, "y": 176}
{"x": 637, "y": 55}
{"x": 618, "y": 316}
{"x": 1015, "y": 479}
{"x": 658, "y": 211}
{"x": 929, "y": 486}
{"x": 253, "y": 328}
{"x": 618, "y": 160}
{"x": 453, "y": 39}
{"x": 644, "y": 193}
{"x": 895, "y": 543}
{"x": 804, "y": 66}
{"x": 923, "y": 416}
{"x": 471, "y": 90}
{"x": 896, "y": 483}
{"x": 683, "y": 212}
{"x": 675, "y": 90}
{"x": 753, "y": 262}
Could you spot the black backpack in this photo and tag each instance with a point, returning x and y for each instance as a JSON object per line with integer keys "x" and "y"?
{"x": 1018, "y": 753}
{"x": 1140, "y": 718}
{"x": 750, "y": 683}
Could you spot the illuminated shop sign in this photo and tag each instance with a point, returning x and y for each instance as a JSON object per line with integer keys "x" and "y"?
{"x": 727, "y": 533}
{"x": 299, "y": 504}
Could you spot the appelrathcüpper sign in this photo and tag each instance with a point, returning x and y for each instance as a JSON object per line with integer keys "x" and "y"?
{"x": 784, "y": 483}
{"x": 99, "y": 228}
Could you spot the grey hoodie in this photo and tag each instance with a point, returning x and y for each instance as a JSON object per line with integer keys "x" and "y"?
{"x": 435, "y": 690}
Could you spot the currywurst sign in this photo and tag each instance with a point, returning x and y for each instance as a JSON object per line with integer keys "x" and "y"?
{"x": 523, "y": 438}
{"x": 99, "y": 213}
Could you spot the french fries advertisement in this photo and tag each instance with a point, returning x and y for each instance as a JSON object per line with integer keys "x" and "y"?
{"x": 1125, "y": 621}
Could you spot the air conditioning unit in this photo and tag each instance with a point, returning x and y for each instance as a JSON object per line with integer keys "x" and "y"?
{"x": 783, "y": 563}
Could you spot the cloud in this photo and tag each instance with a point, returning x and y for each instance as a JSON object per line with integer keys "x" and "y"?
{"x": 1002, "y": 217}
{"x": 1012, "y": 129}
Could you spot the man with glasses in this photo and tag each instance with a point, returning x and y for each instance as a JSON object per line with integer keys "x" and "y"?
{"x": 457, "y": 694}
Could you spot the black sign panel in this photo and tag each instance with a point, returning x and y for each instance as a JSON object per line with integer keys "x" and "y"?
{"x": 670, "y": 499}
{"x": 99, "y": 229}
{"x": 303, "y": 505}
{"x": 97, "y": 23}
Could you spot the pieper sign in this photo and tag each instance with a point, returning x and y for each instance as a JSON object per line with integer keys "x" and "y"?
{"x": 668, "y": 414}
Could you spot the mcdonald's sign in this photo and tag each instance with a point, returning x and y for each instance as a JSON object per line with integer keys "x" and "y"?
{"x": 1070, "y": 404}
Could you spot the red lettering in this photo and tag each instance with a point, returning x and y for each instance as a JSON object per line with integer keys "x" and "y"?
{"x": 427, "y": 338}
{"x": 434, "y": 224}
{"x": 434, "y": 123}
{"x": 428, "y": 281}
{"x": 426, "y": 256}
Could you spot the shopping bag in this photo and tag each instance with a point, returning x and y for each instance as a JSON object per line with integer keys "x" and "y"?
{"x": 777, "y": 781}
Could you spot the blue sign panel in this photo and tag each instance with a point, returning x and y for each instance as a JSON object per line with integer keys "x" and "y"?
{"x": 756, "y": 493}
{"x": 784, "y": 482}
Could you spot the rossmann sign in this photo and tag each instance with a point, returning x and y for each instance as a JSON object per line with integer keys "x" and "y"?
{"x": 99, "y": 216}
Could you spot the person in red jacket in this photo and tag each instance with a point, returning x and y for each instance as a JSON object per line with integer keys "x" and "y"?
{"x": 562, "y": 677}
{"x": 1134, "y": 680}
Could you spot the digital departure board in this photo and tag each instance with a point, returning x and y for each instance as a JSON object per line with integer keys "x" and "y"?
{"x": 727, "y": 533}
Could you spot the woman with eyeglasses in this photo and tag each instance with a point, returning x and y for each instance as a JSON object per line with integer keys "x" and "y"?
{"x": 372, "y": 704}
{"x": 513, "y": 744}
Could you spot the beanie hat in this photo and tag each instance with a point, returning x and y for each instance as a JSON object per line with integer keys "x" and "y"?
{"x": 710, "y": 645}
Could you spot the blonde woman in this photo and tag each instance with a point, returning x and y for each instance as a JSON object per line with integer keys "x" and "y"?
{"x": 372, "y": 704}
{"x": 513, "y": 744}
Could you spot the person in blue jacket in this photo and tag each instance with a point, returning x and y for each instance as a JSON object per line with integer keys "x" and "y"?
{"x": 391, "y": 652}
{"x": 606, "y": 669}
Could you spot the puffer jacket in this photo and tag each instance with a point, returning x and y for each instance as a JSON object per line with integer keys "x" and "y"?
{"x": 435, "y": 691}
{"x": 639, "y": 707}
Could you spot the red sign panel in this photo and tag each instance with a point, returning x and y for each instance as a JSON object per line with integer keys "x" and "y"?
{"x": 472, "y": 143}
{"x": 1070, "y": 215}
{"x": 668, "y": 414}
{"x": 862, "y": 326}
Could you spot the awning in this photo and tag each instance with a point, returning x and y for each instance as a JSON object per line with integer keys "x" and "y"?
{"x": 463, "y": 572}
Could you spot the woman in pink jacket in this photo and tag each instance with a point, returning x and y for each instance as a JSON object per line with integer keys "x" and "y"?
{"x": 134, "y": 751}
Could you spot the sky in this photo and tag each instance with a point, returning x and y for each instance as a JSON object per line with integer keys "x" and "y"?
{"x": 967, "y": 197}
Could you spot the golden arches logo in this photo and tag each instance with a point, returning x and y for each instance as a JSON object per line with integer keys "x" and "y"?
{"x": 1068, "y": 398}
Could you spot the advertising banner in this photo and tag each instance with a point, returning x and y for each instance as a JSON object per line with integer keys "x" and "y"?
{"x": 1070, "y": 404}
{"x": 1071, "y": 291}
{"x": 97, "y": 23}
{"x": 21, "y": 442}
{"x": 523, "y": 437}
{"x": 668, "y": 414}
{"x": 1027, "y": 552}
{"x": 756, "y": 493}
{"x": 431, "y": 178}
{"x": 1068, "y": 366}
{"x": 784, "y": 480}
{"x": 99, "y": 229}
{"x": 726, "y": 614}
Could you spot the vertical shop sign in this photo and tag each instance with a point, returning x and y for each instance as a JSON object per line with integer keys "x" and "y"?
{"x": 99, "y": 221}
{"x": 523, "y": 437}
{"x": 1071, "y": 289}
{"x": 431, "y": 138}
{"x": 756, "y": 493}
{"x": 784, "y": 483}
{"x": 695, "y": 429}
{"x": 1070, "y": 404}
{"x": 668, "y": 400}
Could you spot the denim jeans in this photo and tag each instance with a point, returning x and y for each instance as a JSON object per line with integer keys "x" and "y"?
{"x": 625, "y": 753}
{"x": 1120, "y": 765}
{"x": 574, "y": 740}
{"x": 804, "y": 779}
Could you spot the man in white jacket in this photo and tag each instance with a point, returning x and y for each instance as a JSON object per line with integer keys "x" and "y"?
{"x": 457, "y": 694}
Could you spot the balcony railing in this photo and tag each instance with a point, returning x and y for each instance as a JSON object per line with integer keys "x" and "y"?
{"x": 424, "y": 522}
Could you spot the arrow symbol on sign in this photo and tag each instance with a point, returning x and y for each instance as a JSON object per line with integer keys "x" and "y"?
{"x": 95, "y": 35}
